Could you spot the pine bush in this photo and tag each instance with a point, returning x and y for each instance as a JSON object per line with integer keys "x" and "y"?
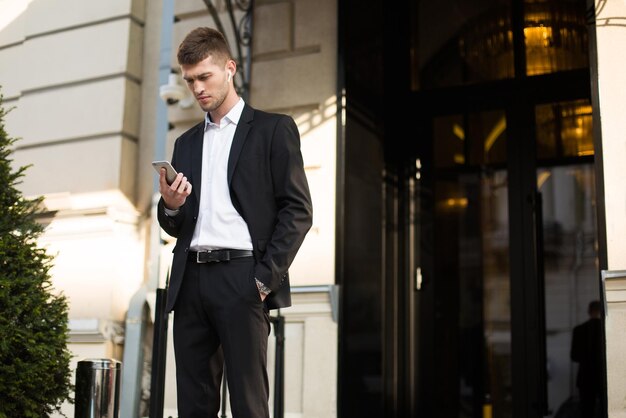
{"x": 34, "y": 358}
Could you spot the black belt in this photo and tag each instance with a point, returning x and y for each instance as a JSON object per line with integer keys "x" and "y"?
{"x": 215, "y": 256}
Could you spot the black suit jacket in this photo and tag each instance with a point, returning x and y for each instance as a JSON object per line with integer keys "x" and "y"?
{"x": 268, "y": 187}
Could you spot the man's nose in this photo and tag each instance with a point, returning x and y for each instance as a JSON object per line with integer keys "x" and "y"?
{"x": 198, "y": 88}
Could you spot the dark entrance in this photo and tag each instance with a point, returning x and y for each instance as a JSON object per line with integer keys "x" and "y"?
{"x": 507, "y": 261}
{"x": 462, "y": 301}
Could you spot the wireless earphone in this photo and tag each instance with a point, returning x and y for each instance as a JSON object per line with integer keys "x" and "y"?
{"x": 229, "y": 75}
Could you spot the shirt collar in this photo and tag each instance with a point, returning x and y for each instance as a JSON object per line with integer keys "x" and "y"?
{"x": 232, "y": 116}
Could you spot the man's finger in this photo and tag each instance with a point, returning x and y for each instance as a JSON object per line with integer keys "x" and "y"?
{"x": 176, "y": 183}
{"x": 182, "y": 185}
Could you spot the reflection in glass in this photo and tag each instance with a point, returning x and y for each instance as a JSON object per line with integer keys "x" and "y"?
{"x": 486, "y": 45}
{"x": 473, "y": 358}
{"x": 571, "y": 271}
{"x": 555, "y": 33}
{"x": 496, "y": 292}
{"x": 564, "y": 129}
{"x": 457, "y": 42}
{"x": 487, "y": 137}
{"x": 449, "y": 145}
{"x": 477, "y": 138}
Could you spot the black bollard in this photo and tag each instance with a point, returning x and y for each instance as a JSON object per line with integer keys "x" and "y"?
{"x": 97, "y": 388}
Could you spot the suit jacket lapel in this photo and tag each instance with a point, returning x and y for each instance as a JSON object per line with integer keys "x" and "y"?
{"x": 241, "y": 133}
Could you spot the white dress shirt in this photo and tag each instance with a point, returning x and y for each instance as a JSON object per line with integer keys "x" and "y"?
{"x": 219, "y": 225}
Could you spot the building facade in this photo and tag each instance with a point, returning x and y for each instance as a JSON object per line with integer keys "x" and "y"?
{"x": 100, "y": 124}
{"x": 464, "y": 161}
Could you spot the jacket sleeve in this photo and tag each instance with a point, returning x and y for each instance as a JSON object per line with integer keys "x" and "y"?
{"x": 293, "y": 201}
{"x": 170, "y": 224}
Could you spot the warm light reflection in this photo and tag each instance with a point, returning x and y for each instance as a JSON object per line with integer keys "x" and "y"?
{"x": 555, "y": 36}
{"x": 538, "y": 36}
{"x": 576, "y": 131}
{"x": 541, "y": 178}
{"x": 418, "y": 168}
{"x": 565, "y": 129}
{"x": 538, "y": 42}
{"x": 495, "y": 133}
{"x": 458, "y": 131}
{"x": 455, "y": 203}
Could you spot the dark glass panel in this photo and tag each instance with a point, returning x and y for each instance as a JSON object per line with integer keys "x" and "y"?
{"x": 473, "y": 333}
{"x": 496, "y": 292}
{"x": 487, "y": 138}
{"x": 456, "y": 42}
{"x": 479, "y": 135}
{"x": 570, "y": 265}
{"x": 450, "y": 141}
{"x": 564, "y": 129}
{"x": 555, "y": 33}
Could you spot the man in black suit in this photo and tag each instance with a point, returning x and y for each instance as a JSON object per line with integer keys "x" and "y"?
{"x": 586, "y": 350}
{"x": 238, "y": 230}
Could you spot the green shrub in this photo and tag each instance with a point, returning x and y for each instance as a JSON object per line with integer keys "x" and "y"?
{"x": 34, "y": 359}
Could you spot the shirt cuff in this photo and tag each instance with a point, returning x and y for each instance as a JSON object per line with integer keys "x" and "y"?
{"x": 170, "y": 212}
{"x": 262, "y": 288}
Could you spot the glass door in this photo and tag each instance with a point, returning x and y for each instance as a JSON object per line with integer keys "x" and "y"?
{"x": 505, "y": 258}
{"x": 569, "y": 238}
{"x": 472, "y": 350}
{"x": 570, "y": 270}
{"x": 510, "y": 265}
{"x": 472, "y": 354}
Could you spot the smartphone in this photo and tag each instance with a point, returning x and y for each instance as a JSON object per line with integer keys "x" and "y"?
{"x": 170, "y": 173}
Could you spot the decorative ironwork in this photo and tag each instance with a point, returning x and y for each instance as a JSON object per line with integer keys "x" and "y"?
{"x": 243, "y": 39}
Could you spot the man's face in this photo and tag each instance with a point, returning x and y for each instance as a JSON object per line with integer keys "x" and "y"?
{"x": 208, "y": 81}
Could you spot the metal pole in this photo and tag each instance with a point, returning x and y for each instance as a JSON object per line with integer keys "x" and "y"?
{"x": 279, "y": 367}
{"x": 159, "y": 356}
{"x": 159, "y": 342}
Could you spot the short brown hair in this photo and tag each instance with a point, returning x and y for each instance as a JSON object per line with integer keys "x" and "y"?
{"x": 201, "y": 43}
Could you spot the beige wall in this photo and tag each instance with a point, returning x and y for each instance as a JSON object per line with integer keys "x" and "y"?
{"x": 71, "y": 70}
{"x": 73, "y": 80}
{"x": 83, "y": 80}
{"x": 611, "y": 37}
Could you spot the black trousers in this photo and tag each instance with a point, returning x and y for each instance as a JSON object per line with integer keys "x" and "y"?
{"x": 219, "y": 319}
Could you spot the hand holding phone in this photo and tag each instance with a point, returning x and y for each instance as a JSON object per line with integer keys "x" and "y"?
{"x": 170, "y": 173}
{"x": 173, "y": 198}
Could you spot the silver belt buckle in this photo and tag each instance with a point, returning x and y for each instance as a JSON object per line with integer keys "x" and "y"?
{"x": 198, "y": 257}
